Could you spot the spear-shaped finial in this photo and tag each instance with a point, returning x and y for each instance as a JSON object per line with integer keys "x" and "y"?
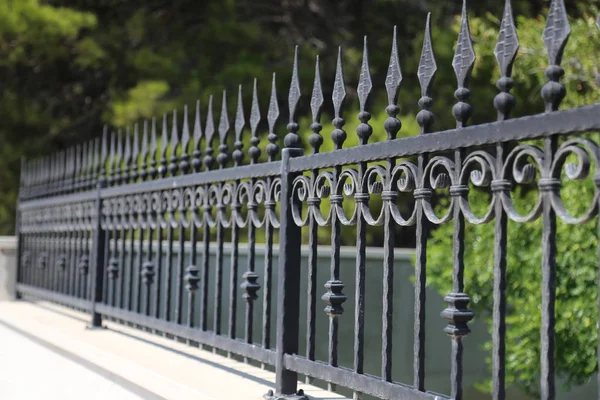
{"x": 223, "y": 157}
{"x": 392, "y": 83}
{"x": 144, "y": 152}
{"x": 174, "y": 142}
{"x": 555, "y": 36}
{"x": 184, "y": 164}
{"x": 95, "y": 161}
{"x": 135, "y": 151}
{"x": 102, "y": 179}
{"x": 209, "y": 132}
{"x": 254, "y": 151}
{"x": 118, "y": 158}
{"x": 197, "y": 161}
{"x": 272, "y": 115}
{"x": 426, "y": 74}
{"x": 127, "y": 157}
{"x": 505, "y": 52}
{"x": 316, "y": 103}
{"x": 152, "y": 171}
{"x": 364, "y": 130}
{"x": 164, "y": 145}
{"x": 292, "y": 139}
{"x": 464, "y": 59}
{"x": 339, "y": 94}
{"x": 238, "y": 155}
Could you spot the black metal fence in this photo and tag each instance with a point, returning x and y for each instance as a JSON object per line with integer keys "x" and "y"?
{"x": 102, "y": 225}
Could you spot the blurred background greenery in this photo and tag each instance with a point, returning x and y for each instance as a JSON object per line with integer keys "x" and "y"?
{"x": 68, "y": 67}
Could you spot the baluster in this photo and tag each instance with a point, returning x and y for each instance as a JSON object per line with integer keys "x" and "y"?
{"x": 192, "y": 276}
{"x": 170, "y": 223}
{"x": 250, "y": 284}
{"x": 555, "y": 36}
{"x": 457, "y": 313}
{"x": 315, "y": 140}
{"x": 163, "y": 169}
{"x": 425, "y": 119}
{"x": 363, "y": 131}
{"x": 183, "y": 167}
{"x": 209, "y": 160}
{"x": 222, "y": 159}
{"x": 334, "y": 296}
{"x": 182, "y": 211}
{"x": 272, "y": 150}
{"x": 237, "y": 157}
{"x": 505, "y": 52}
{"x": 392, "y": 125}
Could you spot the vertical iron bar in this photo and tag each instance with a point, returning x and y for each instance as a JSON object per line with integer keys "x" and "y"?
{"x": 288, "y": 304}
{"x": 505, "y": 52}
{"x": 315, "y": 140}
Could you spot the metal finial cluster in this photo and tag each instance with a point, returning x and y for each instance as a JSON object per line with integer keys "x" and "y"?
{"x": 122, "y": 158}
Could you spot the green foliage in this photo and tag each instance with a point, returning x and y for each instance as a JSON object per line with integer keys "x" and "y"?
{"x": 577, "y": 293}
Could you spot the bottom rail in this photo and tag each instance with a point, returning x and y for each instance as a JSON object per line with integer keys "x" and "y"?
{"x": 44, "y": 294}
{"x": 238, "y": 347}
{"x": 366, "y": 384}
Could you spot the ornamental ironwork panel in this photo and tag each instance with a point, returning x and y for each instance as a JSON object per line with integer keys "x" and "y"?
{"x": 145, "y": 226}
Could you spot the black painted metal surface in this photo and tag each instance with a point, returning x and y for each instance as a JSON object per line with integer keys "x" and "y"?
{"x": 103, "y": 225}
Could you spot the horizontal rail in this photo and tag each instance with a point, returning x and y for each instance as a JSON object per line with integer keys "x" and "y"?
{"x": 58, "y": 200}
{"x": 577, "y": 120}
{"x": 366, "y": 384}
{"x": 208, "y": 338}
{"x": 44, "y": 294}
{"x": 220, "y": 175}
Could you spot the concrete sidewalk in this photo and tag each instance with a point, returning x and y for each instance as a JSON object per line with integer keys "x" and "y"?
{"x": 47, "y": 353}
{"x": 29, "y": 371}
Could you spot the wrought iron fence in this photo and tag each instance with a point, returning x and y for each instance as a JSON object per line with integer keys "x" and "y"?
{"x": 102, "y": 225}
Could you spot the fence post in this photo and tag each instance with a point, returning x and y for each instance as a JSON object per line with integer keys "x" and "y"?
{"x": 99, "y": 237}
{"x": 288, "y": 286}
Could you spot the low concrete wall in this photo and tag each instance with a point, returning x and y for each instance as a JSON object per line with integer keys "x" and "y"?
{"x": 8, "y": 267}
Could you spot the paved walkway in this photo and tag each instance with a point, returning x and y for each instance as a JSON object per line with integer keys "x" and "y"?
{"x": 30, "y": 371}
{"x": 46, "y": 353}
